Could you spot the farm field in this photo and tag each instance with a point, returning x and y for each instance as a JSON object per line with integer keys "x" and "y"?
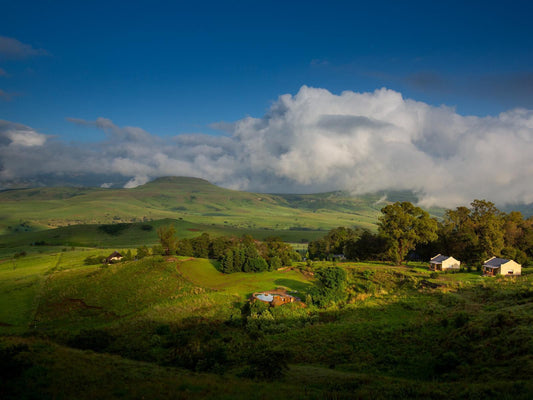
{"x": 189, "y": 332}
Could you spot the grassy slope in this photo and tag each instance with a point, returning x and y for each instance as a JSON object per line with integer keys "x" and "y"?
{"x": 386, "y": 342}
{"x": 134, "y": 235}
{"x": 190, "y": 199}
{"x": 58, "y": 290}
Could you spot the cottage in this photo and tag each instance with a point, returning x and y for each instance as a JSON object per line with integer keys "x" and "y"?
{"x": 444, "y": 263}
{"x": 114, "y": 257}
{"x": 274, "y": 298}
{"x": 501, "y": 266}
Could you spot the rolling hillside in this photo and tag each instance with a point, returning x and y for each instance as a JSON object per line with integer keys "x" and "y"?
{"x": 189, "y": 199}
{"x": 178, "y": 328}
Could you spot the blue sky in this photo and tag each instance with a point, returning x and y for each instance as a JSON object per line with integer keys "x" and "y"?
{"x": 176, "y": 67}
{"x": 154, "y": 84}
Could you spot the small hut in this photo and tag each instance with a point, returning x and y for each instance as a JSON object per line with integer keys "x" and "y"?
{"x": 114, "y": 257}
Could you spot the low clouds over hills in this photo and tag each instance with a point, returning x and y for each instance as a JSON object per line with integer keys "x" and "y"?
{"x": 310, "y": 142}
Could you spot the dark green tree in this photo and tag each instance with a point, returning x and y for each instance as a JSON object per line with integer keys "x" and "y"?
{"x": 142, "y": 252}
{"x": 167, "y": 238}
{"x": 404, "y": 226}
{"x": 185, "y": 248}
{"x": 329, "y": 286}
{"x": 227, "y": 264}
{"x": 200, "y": 245}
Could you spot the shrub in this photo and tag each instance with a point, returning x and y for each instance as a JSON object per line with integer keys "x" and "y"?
{"x": 94, "y": 260}
{"x": 275, "y": 263}
{"x": 20, "y": 254}
{"x": 460, "y": 319}
{"x": 92, "y": 339}
{"x": 13, "y": 361}
{"x": 113, "y": 229}
{"x": 265, "y": 364}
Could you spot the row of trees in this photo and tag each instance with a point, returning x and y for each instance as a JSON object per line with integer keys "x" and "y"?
{"x": 235, "y": 254}
{"x": 470, "y": 234}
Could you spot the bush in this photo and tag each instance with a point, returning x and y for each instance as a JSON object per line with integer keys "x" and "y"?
{"x": 113, "y": 229}
{"x": 92, "y": 339}
{"x": 265, "y": 364}
{"x": 94, "y": 260}
{"x": 434, "y": 275}
{"x": 13, "y": 361}
{"x": 20, "y": 254}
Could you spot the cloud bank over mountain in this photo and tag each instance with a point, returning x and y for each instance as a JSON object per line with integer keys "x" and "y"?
{"x": 309, "y": 142}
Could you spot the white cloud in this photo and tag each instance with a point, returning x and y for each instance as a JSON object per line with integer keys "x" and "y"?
{"x": 318, "y": 141}
{"x": 20, "y": 135}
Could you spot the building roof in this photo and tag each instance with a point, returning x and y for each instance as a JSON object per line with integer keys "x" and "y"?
{"x": 495, "y": 262}
{"x": 115, "y": 254}
{"x": 438, "y": 258}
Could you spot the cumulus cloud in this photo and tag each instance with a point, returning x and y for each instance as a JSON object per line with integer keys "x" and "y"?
{"x": 310, "y": 142}
{"x": 11, "y": 48}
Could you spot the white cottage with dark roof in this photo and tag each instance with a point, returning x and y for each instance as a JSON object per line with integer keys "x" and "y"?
{"x": 444, "y": 263}
{"x": 501, "y": 266}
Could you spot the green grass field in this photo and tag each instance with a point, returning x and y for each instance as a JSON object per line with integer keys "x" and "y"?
{"x": 188, "y": 199}
{"x": 178, "y": 328}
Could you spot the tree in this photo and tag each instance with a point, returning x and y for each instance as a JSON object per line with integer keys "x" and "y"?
{"x": 405, "y": 226}
{"x": 185, "y": 248}
{"x": 167, "y": 238}
{"x": 329, "y": 286}
{"x": 142, "y": 252}
{"x": 227, "y": 262}
{"x": 489, "y": 225}
{"x": 200, "y": 245}
{"x": 332, "y": 278}
{"x": 367, "y": 247}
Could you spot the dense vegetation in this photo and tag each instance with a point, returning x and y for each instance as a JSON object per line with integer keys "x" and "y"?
{"x": 234, "y": 255}
{"x": 471, "y": 235}
{"x": 372, "y": 331}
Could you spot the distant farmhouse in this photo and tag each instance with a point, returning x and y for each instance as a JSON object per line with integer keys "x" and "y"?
{"x": 501, "y": 266}
{"x": 274, "y": 298}
{"x": 444, "y": 263}
{"x": 114, "y": 257}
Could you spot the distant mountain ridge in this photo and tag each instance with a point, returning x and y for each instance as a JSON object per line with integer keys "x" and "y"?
{"x": 190, "y": 199}
{"x": 195, "y": 200}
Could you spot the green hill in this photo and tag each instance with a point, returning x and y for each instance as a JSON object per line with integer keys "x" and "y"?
{"x": 178, "y": 328}
{"x": 190, "y": 199}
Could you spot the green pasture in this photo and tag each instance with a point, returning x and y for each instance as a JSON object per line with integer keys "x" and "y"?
{"x": 393, "y": 336}
{"x": 203, "y": 273}
{"x": 193, "y": 200}
{"x": 135, "y": 234}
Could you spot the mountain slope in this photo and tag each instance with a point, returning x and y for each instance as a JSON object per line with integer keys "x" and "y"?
{"x": 190, "y": 199}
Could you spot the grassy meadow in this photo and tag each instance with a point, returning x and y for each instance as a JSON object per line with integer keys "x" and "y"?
{"x": 188, "y": 199}
{"x": 178, "y": 328}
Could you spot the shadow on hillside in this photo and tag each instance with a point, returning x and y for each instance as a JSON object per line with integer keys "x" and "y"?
{"x": 294, "y": 284}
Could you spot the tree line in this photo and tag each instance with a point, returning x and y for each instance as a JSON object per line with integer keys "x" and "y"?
{"x": 234, "y": 254}
{"x": 470, "y": 234}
